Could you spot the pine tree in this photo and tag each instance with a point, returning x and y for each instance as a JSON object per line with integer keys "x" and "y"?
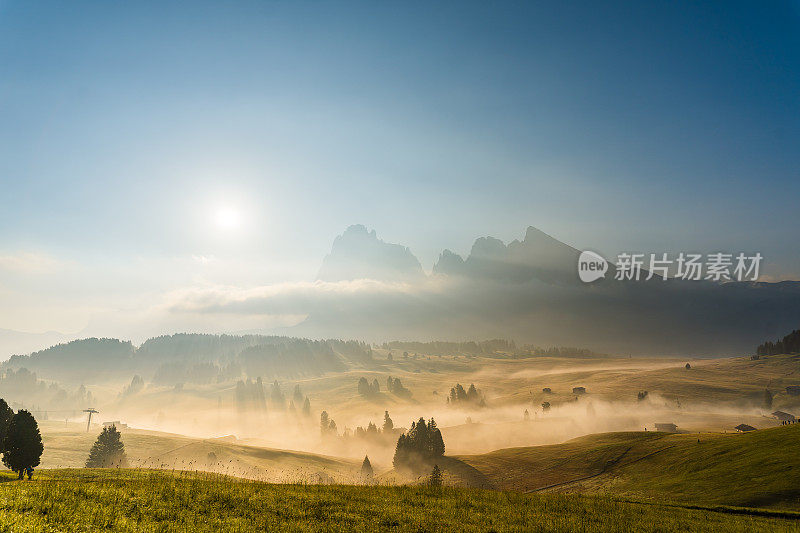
{"x": 366, "y": 469}
{"x": 324, "y": 423}
{"x": 436, "y": 477}
{"x": 108, "y": 450}
{"x": 472, "y": 393}
{"x": 6, "y": 414}
{"x": 22, "y": 446}
{"x": 276, "y": 396}
{"x": 297, "y": 395}
{"x": 436, "y": 441}
{"x": 401, "y": 455}
{"x": 388, "y": 425}
{"x": 306, "y": 407}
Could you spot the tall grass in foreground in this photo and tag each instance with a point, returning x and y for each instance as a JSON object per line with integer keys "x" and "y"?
{"x": 149, "y": 500}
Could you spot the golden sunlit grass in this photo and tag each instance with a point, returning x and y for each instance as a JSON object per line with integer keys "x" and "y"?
{"x": 68, "y": 447}
{"x": 146, "y": 500}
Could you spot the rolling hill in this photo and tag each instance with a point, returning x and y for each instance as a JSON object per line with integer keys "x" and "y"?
{"x": 67, "y": 446}
{"x": 756, "y": 469}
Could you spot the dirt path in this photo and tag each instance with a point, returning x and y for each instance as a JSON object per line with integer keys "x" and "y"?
{"x": 606, "y": 467}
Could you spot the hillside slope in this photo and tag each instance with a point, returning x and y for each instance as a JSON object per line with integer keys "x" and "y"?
{"x": 68, "y": 447}
{"x": 758, "y": 469}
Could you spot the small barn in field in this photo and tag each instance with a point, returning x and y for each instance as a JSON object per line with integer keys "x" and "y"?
{"x": 744, "y": 428}
{"x": 578, "y": 390}
{"x": 784, "y": 417}
{"x": 666, "y": 427}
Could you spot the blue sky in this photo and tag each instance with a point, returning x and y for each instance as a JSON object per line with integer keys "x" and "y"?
{"x": 125, "y": 128}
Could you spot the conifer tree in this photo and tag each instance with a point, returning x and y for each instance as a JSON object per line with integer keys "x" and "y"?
{"x": 22, "y": 446}
{"x": 6, "y": 414}
{"x": 419, "y": 447}
{"x": 108, "y": 451}
{"x": 324, "y": 423}
{"x": 366, "y": 469}
{"x": 436, "y": 477}
{"x": 435, "y": 439}
{"x": 297, "y": 395}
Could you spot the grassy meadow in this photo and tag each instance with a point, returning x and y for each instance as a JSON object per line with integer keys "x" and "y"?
{"x": 146, "y": 500}
{"x": 586, "y": 464}
{"x": 757, "y": 469}
{"x": 67, "y": 446}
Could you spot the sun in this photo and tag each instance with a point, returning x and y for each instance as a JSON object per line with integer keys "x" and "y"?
{"x": 227, "y": 218}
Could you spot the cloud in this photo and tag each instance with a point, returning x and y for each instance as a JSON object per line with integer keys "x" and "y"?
{"x": 656, "y": 318}
{"x": 204, "y": 259}
{"x": 28, "y": 262}
{"x": 296, "y": 297}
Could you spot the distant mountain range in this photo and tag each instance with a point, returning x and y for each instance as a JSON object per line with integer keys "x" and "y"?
{"x": 529, "y": 291}
{"x": 15, "y": 342}
{"x": 359, "y": 254}
{"x": 537, "y": 257}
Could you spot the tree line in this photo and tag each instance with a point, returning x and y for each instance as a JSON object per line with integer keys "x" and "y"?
{"x": 367, "y": 389}
{"x": 447, "y": 348}
{"x": 789, "y": 344}
{"x": 393, "y": 385}
{"x": 23, "y": 385}
{"x": 250, "y": 394}
{"x": 471, "y": 397}
{"x": 192, "y": 358}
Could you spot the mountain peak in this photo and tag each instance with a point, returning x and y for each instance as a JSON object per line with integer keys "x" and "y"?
{"x": 358, "y": 253}
{"x": 449, "y": 263}
{"x": 357, "y": 231}
{"x": 537, "y": 256}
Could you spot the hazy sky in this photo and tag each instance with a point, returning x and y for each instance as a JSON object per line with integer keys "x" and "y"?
{"x": 148, "y": 148}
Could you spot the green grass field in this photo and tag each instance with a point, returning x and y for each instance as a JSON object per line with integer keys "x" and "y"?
{"x": 757, "y": 469}
{"x": 145, "y": 500}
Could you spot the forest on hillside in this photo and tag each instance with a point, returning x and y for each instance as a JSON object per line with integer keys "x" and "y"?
{"x": 789, "y": 344}
{"x": 191, "y": 358}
